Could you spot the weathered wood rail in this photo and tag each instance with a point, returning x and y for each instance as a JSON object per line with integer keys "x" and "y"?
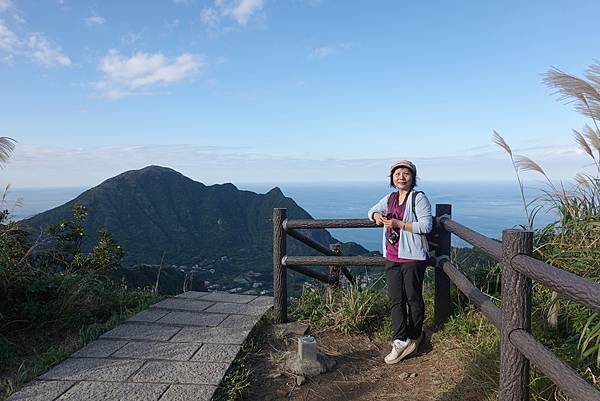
{"x": 513, "y": 319}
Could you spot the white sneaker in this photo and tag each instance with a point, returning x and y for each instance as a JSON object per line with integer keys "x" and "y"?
{"x": 398, "y": 352}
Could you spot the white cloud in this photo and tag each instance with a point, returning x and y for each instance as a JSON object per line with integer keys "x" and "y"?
{"x": 5, "y": 5}
{"x": 327, "y": 51}
{"x": 9, "y": 42}
{"x": 53, "y": 166}
{"x": 46, "y": 53}
{"x": 94, "y": 20}
{"x": 34, "y": 46}
{"x": 127, "y": 75}
{"x": 210, "y": 17}
{"x": 131, "y": 38}
{"x": 240, "y": 11}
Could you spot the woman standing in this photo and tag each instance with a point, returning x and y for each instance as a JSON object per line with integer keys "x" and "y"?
{"x": 406, "y": 217}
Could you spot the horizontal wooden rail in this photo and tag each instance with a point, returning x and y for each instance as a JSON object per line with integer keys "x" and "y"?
{"x": 563, "y": 282}
{"x": 478, "y": 298}
{"x": 333, "y": 261}
{"x": 487, "y": 245}
{"x": 320, "y": 248}
{"x": 565, "y": 377}
{"x": 329, "y": 223}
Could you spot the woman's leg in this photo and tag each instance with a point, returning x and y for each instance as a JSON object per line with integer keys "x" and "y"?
{"x": 397, "y": 297}
{"x": 413, "y": 275}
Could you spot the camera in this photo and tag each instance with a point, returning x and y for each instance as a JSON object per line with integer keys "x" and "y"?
{"x": 393, "y": 237}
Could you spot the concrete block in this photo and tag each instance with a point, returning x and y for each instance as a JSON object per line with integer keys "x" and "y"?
{"x": 181, "y": 372}
{"x": 41, "y": 391}
{"x": 215, "y": 335}
{"x": 225, "y": 353}
{"x": 182, "y": 304}
{"x": 96, "y": 391}
{"x": 99, "y": 349}
{"x": 188, "y": 392}
{"x": 307, "y": 348}
{"x": 192, "y": 294}
{"x": 193, "y": 319}
{"x": 154, "y": 350}
{"x": 240, "y": 321}
{"x": 149, "y": 315}
{"x": 218, "y": 296}
{"x": 93, "y": 369}
{"x": 132, "y": 331}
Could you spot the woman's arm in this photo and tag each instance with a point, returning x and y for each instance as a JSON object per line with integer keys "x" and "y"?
{"x": 378, "y": 209}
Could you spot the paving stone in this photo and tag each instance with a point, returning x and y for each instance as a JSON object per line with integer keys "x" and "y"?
{"x": 182, "y": 304}
{"x": 41, "y": 391}
{"x": 238, "y": 309}
{"x": 93, "y": 369}
{"x": 262, "y": 301}
{"x": 218, "y": 296}
{"x": 153, "y": 350}
{"x": 225, "y": 353}
{"x": 99, "y": 349}
{"x": 95, "y": 391}
{"x": 181, "y": 372}
{"x": 187, "y": 392}
{"x": 193, "y": 319}
{"x": 149, "y": 315}
{"x": 240, "y": 321}
{"x": 216, "y": 335}
{"x": 192, "y": 294}
{"x": 142, "y": 332}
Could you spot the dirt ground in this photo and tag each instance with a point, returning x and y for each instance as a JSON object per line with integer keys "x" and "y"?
{"x": 444, "y": 372}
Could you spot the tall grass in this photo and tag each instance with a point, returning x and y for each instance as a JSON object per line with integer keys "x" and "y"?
{"x": 348, "y": 310}
{"x": 572, "y": 242}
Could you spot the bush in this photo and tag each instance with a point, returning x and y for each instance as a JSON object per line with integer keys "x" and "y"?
{"x": 348, "y": 310}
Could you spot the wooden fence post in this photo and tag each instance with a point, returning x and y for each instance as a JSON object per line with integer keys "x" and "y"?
{"x": 334, "y": 271}
{"x": 442, "y": 304}
{"x": 279, "y": 271}
{"x": 516, "y": 314}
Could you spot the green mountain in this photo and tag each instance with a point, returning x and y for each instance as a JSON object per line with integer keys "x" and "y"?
{"x": 157, "y": 214}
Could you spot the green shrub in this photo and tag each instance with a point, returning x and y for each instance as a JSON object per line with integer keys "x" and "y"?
{"x": 348, "y": 310}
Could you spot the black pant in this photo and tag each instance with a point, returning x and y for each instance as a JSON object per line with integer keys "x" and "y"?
{"x": 405, "y": 290}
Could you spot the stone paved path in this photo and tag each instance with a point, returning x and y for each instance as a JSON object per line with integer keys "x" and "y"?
{"x": 178, "y": 349}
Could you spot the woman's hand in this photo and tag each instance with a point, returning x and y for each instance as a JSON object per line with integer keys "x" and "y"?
{"x": 388, "y": 223}
{"x": 379, "y": 219}
{"x": 394, "y": 223}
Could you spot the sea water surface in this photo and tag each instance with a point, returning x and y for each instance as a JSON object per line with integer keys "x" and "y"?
{"x": 485, "y": 207}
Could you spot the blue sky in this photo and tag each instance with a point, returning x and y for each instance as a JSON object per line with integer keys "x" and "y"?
{"x": 287, "y": 90}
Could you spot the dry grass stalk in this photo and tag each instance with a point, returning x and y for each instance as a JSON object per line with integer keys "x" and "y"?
{"x": 7, "y": 146}
{"x": 498, "y": 140}
{"x": 524, "y": 163}
{"x": 583, "y": 143}
{"x": 592, "y": 136}
{"x": 585, "y": 96}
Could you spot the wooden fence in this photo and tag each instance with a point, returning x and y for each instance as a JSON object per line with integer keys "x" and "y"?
{"x": 513, "y": 319}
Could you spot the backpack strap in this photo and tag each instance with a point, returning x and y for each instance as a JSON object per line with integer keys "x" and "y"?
{"x": 413, "y": 204}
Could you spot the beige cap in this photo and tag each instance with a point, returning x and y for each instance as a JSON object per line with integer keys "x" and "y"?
{"x": 404, "y": 163}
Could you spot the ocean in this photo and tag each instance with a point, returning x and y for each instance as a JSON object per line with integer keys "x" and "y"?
{"x": 485, "y": 207}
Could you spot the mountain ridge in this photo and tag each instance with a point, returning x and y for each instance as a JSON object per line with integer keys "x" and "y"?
{"x": 156, "y": 213}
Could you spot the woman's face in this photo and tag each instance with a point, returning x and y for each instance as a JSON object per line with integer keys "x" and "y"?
{"x": 402, "y": 178}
